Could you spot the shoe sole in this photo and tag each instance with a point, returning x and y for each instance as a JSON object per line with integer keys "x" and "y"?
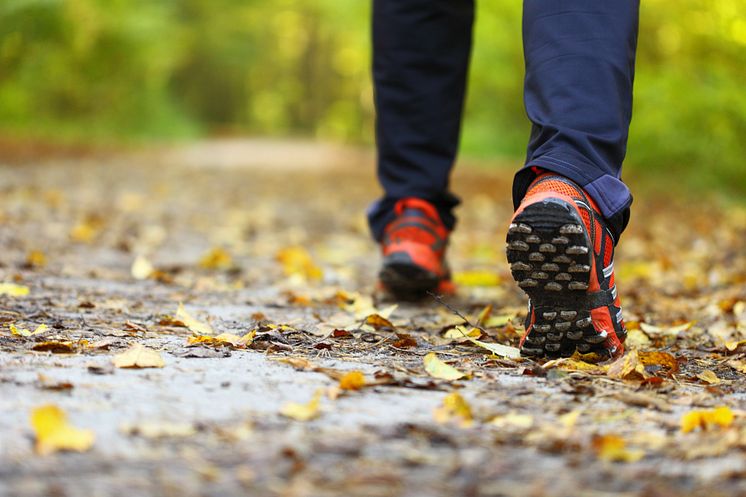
{"x": 550, "y": 252}
{"x": 405, "y": 280}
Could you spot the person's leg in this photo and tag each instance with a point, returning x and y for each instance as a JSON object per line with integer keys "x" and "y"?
{"x": 571, "y": 205}
{"x": 420, "y": 59}
{"x": 580, "y": 58}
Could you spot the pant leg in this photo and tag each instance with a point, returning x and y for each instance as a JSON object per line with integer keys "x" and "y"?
{"x": 580, "y": 60}
{"x": 421, "y": 54}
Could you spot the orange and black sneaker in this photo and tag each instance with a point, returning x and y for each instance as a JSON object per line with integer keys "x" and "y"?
{"x": 561, "y": 254}
{"x": 414, "y": 246}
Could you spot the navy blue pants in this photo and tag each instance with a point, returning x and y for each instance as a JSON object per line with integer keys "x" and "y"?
{"x": 580, "y": 58}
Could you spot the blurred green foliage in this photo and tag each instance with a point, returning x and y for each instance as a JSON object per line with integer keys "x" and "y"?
{"x": 160, "y": 69}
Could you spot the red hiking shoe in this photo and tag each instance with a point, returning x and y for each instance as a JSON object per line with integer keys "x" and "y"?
{"x": 414, "y": 246}
{"x": 561, "y": 254}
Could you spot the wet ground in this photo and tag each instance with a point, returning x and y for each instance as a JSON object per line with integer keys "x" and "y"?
{"x": 269, "y": 240}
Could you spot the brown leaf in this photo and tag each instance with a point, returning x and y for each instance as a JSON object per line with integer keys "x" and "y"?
{"x": 54, "y": 347}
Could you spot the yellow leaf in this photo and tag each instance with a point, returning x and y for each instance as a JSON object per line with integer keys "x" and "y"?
{"x": 36, "y": 258}
{"x": 454, "y": 408}
{"x": 613, "y": 448}
{"x": 636, "y": 339}
{"x": 574, "y": 364}
{"x": 484, "y": 315}
{"x": 85, "y": 231}
{"x": 462, "y": 332}
{"x": 13, "y": 290}
{"x": 222, "y": 340}
{"x": 193, "y": 324}
{"x": 570, "y": 419}
{"x": 652, "y": 330}
{"x": 628, "y": 367}
{"x": 139, "y": 356}
{"x": 498, "y": 350}
{"x": 354, "y": 380}
{"x": 498, "y": 321}
{"x": 216, "y": 258}
{"x": 26, "y": 333}
{"x": 439, "y": 369}
{"x": 297, "y": 261}
{"x": 477, "y": 278}
{"x": 709, "y": 377}
{"x": 738, "y": 365}
{"x": 732, "y": 345}
{"x": 141, "y": 268}
{"x": 513, "y": 420}
{"x": 706, "y": 419}
{"x": 303, "y": 412}
{"x": 377, "y": 322}
{"x": 54, "y": 433}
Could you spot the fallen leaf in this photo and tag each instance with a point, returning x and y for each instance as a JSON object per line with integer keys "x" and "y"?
{"x": 484, "y": 315}
{"x": 13, "y": 290}
{"x": 454, "y": 408}
{"x": 628, "y": 367}
{"x": 47, "y": 383}
{"x": 650, "y": 329}
{"x": 709, "y": 377}
{"x": 303, "y": 412}
{"x": 439, "y": 369}
{"x": 26, "y": 333}
{"x": 662, "y": 359}
{"x": 404, "y": 341}
{"x": 462, "y": 333}
{"x": 613, "y": 448}
{"x": 513, "y": 420}
{"x": 223, "y": 340}
{"x": 296, "y": 261}
{"x": 141, "y": 268}
{"x": 193, "y": 324}
{"x": 574, "y": 364}
{"x": 477, "y": 278}
{"x": 54, "y": 347}
{"x": 738, "y": 365}
{"x": 707, "y": 419}
{"x": 377, "y": 322}
{"x": 139, "y": 356}
{"x": 497, "y": 349}
{"x": 298, "y": 363}
{"x": 354, "y": 380}
{"x": 216, "y": 258}
{"x": 54, "y": 433}
{"x": 36, "y": 259}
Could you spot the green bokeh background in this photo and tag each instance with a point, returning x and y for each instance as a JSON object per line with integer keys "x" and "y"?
{"x": 123, "y": 71}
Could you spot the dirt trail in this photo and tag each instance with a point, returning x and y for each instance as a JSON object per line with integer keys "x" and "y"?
{"x": 276, "y": 243}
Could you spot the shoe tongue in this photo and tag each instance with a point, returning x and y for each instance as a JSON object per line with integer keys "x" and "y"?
{"x": 415, "y": 205}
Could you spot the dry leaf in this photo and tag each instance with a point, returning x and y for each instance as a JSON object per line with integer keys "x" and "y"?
{"x": 738, "y": 365}
{"x": 477, "y": 278}
{"x": 709, "y": 377}
{"x": 217, "y": 258}
{"x": 141, "y": 268}
{"x": 513, "y": 420}
{"x": 484, "y": 315}
{"x": 575, "y": 364}
{"x": 454, "y": 408}
{"x": 499, "y": 350}
{"x": 706, "y": 419}
{"x": 439, "y": 369}
{"x": 296, "y": 261}
{"x": 377, "y": 322}
{"x": 36, "y": 259}
{"x": 462, "y": 333}
{"x": 354, "y": 380}
{"x": 13, "y": 290}
{"x": 628, "y": 367}
{"x": 303, "y": 412}
{"x": 54, "y": 433}
{"x": 613, "y": 448}
{"x": 54, "y": 347}
{"x": 157, "y": 430}
{"x": 26, "y": 333}
{"x": 223, "y": 340}
{"x": 193, "y": 324}
{"x": 139, "y": 356}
